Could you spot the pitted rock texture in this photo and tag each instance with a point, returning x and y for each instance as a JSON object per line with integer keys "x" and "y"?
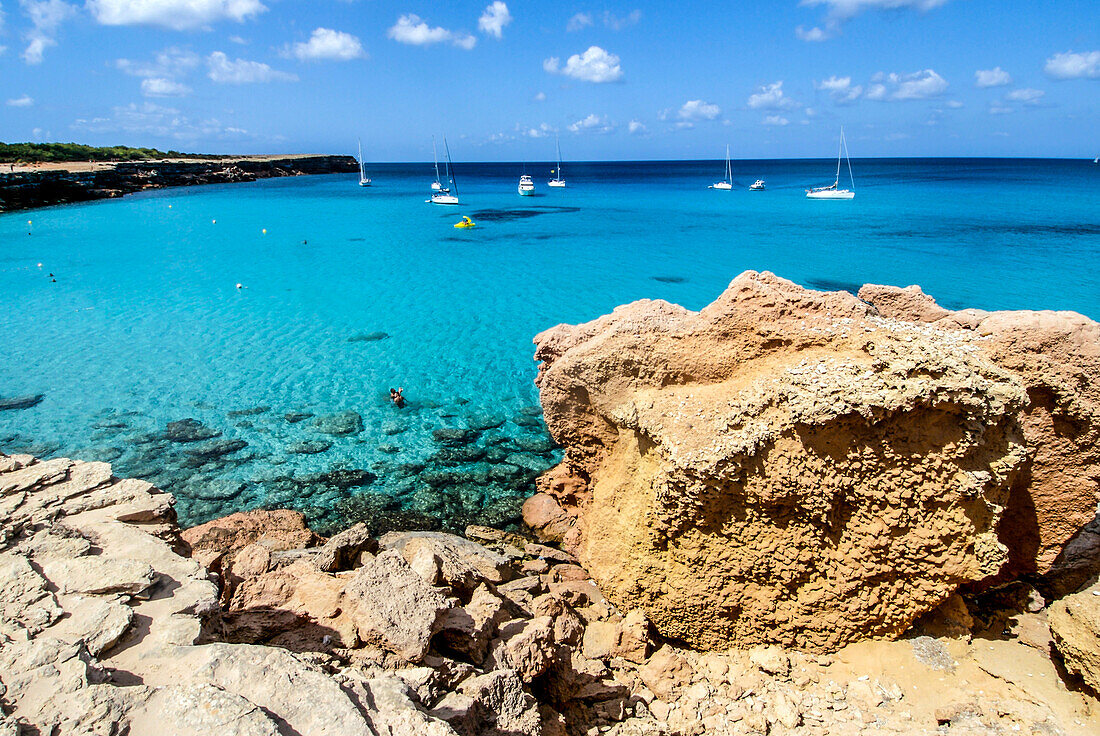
{"x": 787, "y": 465}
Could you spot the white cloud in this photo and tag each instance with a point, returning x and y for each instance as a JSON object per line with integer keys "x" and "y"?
{"x": 617, "y": 23}
{"x": 920, "y": 85}
{"x": 1026, "y": 96}
{"x": 150, "y": 119}
{"x": 1074, "y": 66}
{"x": 777, "y": 120}
{"x": 995, "y": 77}
{"x": 241, "y": 71}
{"x": 997, "y": 108}
{"x": 579, "y": 22}
{"x": 326, "y": 44}
{"x": 844, "y": 9}
{"x": 161, "y": 87}
{"x": 542, "y": 131}
{"x": 840, "y": 89}
{"x": 771, "y": 97}
{"x": 594, "y": 65}
{"x": 178, "y": 15}
{"x": 699, "y": 110}
{"x": 813, "y": 35}
{"x": 45, "y": 17}
{"x": 540, "y": 96}
{"x": 954, "y": 104}
{"x": 412, "y": 30}
{"x": 592, "y": 124}
{"x": 171, "y": 62}
{"x": 24, "y": 101}
{"x": 636, "y": 128}
{"x": 493, "y": 20}
{"x": 238, "y": 40}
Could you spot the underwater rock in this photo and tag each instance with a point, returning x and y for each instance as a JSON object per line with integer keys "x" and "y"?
{"x": 368, "y": 337}
{"x": 528, "y": 420}
{"x": 455, "y": 436}
{"x": 533, "y": 444}
{"x": 21, "y": 402}
{"x": 392, "y": 429}
{"x": 236, "y": 413}
{"x": 484, "y": 421}
{"x": 189, "y": 430}
{"x": 340, "y": 424}
{"x": 457, "y": 455}
{"x": 340, "y": 479}
{"x": 297, "y": 416}
{"x": 216, "y": 489}
{"x": 216, "y": 449}
{"x": 101, "y": 454}
{"x": 309, "y": 447}
{"x": 389, "y": 449}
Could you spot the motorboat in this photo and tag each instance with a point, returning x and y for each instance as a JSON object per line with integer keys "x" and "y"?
{"x": 757, "y": 186}
{"x": 526, "y": 186}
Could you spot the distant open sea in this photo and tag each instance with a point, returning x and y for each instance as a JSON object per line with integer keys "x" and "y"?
{"x": 355, "y": 290}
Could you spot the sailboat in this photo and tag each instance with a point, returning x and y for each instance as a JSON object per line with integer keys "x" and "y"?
{"x": 833, "y": 191}
{"x": 364, "y": 180}
{"x": 557, "y": 181}
{"x": 726, "y": 183}
{"x": 446, "y": 194}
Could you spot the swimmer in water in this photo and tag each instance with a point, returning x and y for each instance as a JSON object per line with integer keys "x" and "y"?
{"x": 397, "y": 399}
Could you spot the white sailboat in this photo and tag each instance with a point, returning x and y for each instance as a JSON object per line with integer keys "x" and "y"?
{"x": 833, "y": 191}
{"x": 726, "y": 183}
{"x": 558, "y": 180}
{"x": 364, "y": 180}
{"x": 526, "y": 186}
{"x": 446, "y": 194}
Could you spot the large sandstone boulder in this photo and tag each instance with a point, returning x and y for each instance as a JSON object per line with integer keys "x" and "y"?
{"x": 1056, "y": 357}
{"x": 788, "y": 466}
{"x": 1075, "y": 627}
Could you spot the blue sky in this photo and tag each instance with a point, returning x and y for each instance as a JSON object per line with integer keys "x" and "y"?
{"x": 635, "y": 80}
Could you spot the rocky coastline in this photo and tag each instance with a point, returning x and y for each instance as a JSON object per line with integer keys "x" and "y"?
{"x": 792, "y": 512}
{"x": 42, "y": 188}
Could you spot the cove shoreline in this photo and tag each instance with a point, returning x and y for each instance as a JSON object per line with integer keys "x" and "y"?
{"x": 45, "y": 185}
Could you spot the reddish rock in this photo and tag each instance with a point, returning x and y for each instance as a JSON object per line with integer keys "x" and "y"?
{"x": 277, "y": 530}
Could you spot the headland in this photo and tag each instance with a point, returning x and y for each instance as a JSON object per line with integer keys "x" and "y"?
{"x": 30, "y": 185}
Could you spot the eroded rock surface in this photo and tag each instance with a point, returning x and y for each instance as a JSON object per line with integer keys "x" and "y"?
{"x": 790, "y": 466}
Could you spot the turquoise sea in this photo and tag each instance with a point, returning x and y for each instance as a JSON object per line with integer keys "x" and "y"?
{"x": 351, "y": 291}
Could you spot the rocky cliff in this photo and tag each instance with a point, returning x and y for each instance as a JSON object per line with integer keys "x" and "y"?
{"x": 112, "y": 621}
{"x": 25, "y": 190}
{"x": 811, "y": 468}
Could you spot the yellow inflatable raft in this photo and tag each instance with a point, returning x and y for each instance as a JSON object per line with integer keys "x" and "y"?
{"x": 465, "y": 222}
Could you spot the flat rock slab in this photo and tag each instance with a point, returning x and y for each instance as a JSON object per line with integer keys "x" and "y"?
{"x": 94, "y": 575}
{"x": 21, "y": 402}
{"x": 463, "y": 563}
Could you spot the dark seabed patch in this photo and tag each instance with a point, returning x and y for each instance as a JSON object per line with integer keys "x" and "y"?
{"x": 833, "y": 285}
{"x": 669, "y": 279}
{"x": 20, "y": 402}
{"x": 524, "y": 214}
{"x": 369, "y": 337}
{"x": 357, "y": 240}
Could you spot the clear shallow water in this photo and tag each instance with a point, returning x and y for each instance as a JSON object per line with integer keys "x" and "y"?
{"x": 352, "y": 291}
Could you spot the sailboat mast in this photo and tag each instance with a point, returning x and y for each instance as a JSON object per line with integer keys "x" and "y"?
{"x": 557, "y": 142}
{"x": 362, "y": 174}
{"x": 435, "y": 157}
{"x": 729, "y": 168}
{"x": 839, "y": 148}
{"x": 847, "y": 158}
{"x": 450, "y": 171}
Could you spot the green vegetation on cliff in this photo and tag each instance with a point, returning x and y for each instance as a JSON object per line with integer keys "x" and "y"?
{"x": 49, "y": 152}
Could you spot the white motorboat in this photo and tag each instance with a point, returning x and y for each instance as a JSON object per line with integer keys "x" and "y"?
{"x": 757, "y": 186}
{"x": 726, "y": 183}
{"x": 558, "y": 180}
{"x": 526, "y": 186}
{"x": 445, "y": 194}
{"x": 364, "y": 180}
{"x": 833, "y": 191}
